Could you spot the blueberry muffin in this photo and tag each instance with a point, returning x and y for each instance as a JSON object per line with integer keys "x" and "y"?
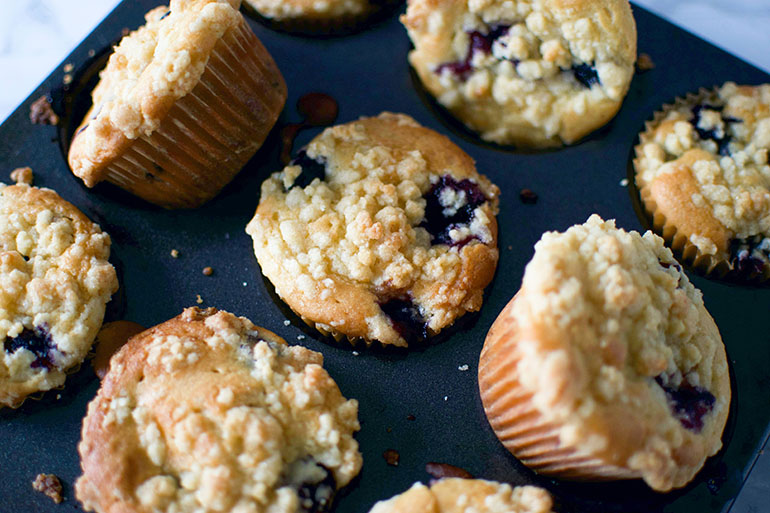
{"x": 467, "y": 496}
{"x": 207, "y": 412}
{"x": 56, "y": 281}
{"x": 314, "y": 17}
{"x": 606, "y": 364}
{"x": 380, "y": 229}
{"x": 532, "y": 73}
{"x": 184, "y": 102}
{"x": 703, "y": 173}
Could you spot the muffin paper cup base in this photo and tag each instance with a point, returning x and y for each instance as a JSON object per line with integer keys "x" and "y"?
{"x": 210, "y": 133}
{"x": 519, "y": 425}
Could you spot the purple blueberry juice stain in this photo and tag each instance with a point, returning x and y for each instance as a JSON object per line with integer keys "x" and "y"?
{"x": 438, "y": 222}
{"x": 688, "y": 403}
{"x": 38, "y": 341}
{"x": 406, "y": 318}
{"x": 723, "y": 141}
{"x": 479, "y": 42}
{"x": 312, "y": 168}
{"x": 586, "y": 74}
{"x": 750, "y": 257}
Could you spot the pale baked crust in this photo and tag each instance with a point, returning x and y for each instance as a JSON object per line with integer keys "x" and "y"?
{"x": 523, "y": 90}
{"x": 467, "y": 496}
{"x": 207, "y": 412}
{"x": 605, "y": 319}
{"x": 338, "y": 248}
{"x": 702, "y": 199}
{"x": 56, "y": 281}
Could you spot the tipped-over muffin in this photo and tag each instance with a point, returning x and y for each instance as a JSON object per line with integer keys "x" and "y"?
{"x": 532, "y": 73}
{"x": 467, "y": 496}
{"x": 56, "y": 281}
{"x": 184, "y": 102}
{"x": 207, "y": 412}
{"x": 703, "y": 173}
{"x": 606, "y": 364}
{"x": 380, "y": 229}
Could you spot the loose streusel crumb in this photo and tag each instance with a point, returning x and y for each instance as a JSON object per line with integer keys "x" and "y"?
{"x": 644, "y": 63}
{"x": 22, "y": 175}
{"x": 208, "y": 271}
{"x": 391, "y": 457}
{"x": 174, "y": 253}
{"x": 198, "y": 299}
{"x": 457, "y": 495}
{"x": 41, "y": 112}
{"x": 50, "y": 485}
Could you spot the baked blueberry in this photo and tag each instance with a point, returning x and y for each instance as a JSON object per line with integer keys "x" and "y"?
{"x": 449, "y": 205}
{"x": 586, "y": 74}
{"x": 689, "y": 403}
{"x": 312, "y": 168}
{"x": 406, "y": 319}
{"x": 38, "y": 342}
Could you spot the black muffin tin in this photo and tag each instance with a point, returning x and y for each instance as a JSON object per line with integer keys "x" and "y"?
{"x": 417, "y": 401}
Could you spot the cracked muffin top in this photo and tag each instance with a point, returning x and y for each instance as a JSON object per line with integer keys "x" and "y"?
{"x": 56, "y": 281}
{"x": 380, "y": 229}
{"x": 618, "y": 350}
{"x": 532, "y": 73}
{"x": 207, "y": 412}
{"x": 468, "y": 496}
{"x": 703, "y": 171}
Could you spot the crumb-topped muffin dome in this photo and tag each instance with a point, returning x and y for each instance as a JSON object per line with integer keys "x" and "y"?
{"x": 606, "y": 364}
{"x": 703, "y": 172}
{"x": 533, "y": 73}
{"x": 467, "y": 496}
{"x": 56, "y": 281}
{"x": 380, "y": 229}
{"x": 207, "y": 412}
{"x": 184, "y": 101}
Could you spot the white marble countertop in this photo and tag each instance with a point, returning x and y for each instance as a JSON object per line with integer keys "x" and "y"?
{"x": 36, "y": 35}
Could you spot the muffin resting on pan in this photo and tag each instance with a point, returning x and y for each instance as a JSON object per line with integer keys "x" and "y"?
{"x": 380, "y": 229}
{"x": 184, "y": 102}
{"x": 207, "y": 412}
{"x": 606, "y": 364}
{"x": 703, "y": 173}
{"x": 56, "y": 281}
{"x": 532, "y": 73}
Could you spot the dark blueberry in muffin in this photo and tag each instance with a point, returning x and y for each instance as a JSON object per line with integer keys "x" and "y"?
{"x": 723, "y": 139}
{"x": 750, "y": 256}
{"x": 165, "y": 15}
{"x": 406, "y": 318}
{"x": 37, "y": 341}
{"x": 688, "y": 403}
{"x": 479, "y": 42}
{"x": 311, "y": 169}
{"x": 316, "y": 496}
{"x": 440, "y": 219}
{"x": 585, "y": 74}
